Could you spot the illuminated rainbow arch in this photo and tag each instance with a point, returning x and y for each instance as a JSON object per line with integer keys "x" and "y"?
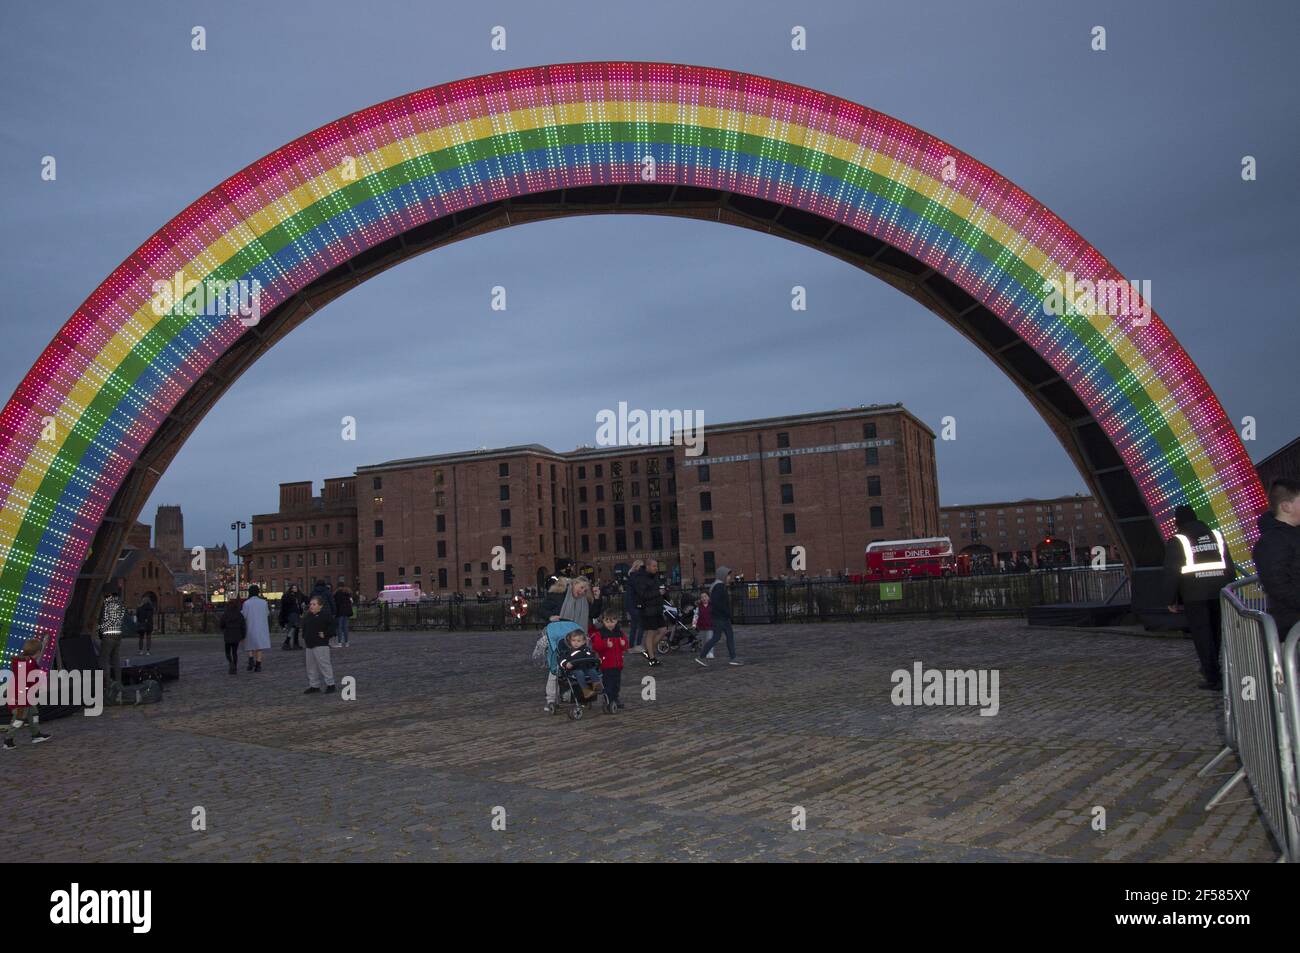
{"x": 124, "y": 386}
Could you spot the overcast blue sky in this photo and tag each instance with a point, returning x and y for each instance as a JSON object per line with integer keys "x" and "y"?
{"x": 1138, "y": 148}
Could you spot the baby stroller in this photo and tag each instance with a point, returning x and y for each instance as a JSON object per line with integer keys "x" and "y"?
{"x": 679, "y": 631}
{"x": 569, "y": 693}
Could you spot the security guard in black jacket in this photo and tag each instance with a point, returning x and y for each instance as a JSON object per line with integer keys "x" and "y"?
{"x": 1197, "y": 566}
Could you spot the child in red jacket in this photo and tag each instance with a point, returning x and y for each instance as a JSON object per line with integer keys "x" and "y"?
{"x": 610, "y": 643}
{"x": 23, "y": 712}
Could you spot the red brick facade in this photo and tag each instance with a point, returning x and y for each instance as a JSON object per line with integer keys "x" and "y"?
{"x": 850, "y": 477}
{"x": 829, "y": 483}
{"x": 1020, "y": 528}
{"x": 310, "y": 538}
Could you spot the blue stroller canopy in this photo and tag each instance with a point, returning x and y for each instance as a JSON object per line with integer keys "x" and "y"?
{"x": 556, "y": 633}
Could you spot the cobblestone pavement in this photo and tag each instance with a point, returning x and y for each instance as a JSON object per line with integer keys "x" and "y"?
{"x": 446, "y": 727}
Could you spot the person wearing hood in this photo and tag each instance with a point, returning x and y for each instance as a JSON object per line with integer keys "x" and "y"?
{"x": 1197, "y": 566}
{"x": 1277, "y": 554}
{"x": 720, "y": 609}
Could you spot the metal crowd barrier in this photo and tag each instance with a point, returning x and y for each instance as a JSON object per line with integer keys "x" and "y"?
{"x": 1260, "y": 729}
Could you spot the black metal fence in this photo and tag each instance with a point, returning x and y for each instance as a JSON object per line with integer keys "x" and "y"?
{"x": 757, "y": 603}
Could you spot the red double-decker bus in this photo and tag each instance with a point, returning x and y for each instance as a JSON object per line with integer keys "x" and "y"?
{"x": 896, "y": 559}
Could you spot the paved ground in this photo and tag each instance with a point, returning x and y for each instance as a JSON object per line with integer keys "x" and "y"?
{"x": 445, "y": 728}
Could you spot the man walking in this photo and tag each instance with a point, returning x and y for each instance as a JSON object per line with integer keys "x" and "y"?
{"x": 1277, "y": 554}
{"x": 111, "y": 617}
{"x": 630, "y": 607}
{"x": 720, "y": 604}
{"x": 650, "y": 604}
{"x": 1197, "y": 566}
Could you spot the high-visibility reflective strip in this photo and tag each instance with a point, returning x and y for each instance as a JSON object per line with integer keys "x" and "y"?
{"x": 1189, "y": 560}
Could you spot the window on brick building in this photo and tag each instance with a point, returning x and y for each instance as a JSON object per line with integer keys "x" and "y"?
{"x": 656, "y": 537}
{"x": 469, "y": 567}
{"x": 706, "y": 502}
{"x": 377, "y": 483}
{"x": 586, "y": 544}
{"x": 637, "y": 539}
{"x": 620, "y": 540}
{"x": 505, "y": 518}
{"x": 582, "y": 473}
{"x": 873, "y": 456}
{"x": 273, "y": 534}
{"x": 868, "y": 431}
{"x": 401, "y": 570}
{"x": 442, "y": 549}
{"x": 601, "y": 543}
{"x": 312, "y": 531}
{"x": 298, "y": 532}
{"x": 636, "y": 488}
{"x": 787, "y": 493}
{"x": 599, "y": 471}
{"x": 703, "y": 472}
{"x": 379, "y": 528}
{"x": 340, "y": 529}
{"x": 442, "y": 579}
{"x": 877, "y": 516}
{"x": 873, "y": 486}
{"x": 706, "y": 529}
{"x": 379, "y": 554}
{"x": 710, "y": 564}
{"x": 582, "y": 494}
{"x": 783, "y": 440}
{"x": 582, "y": 519}
{"x": 440, "y": 499}
{"x": 783, "y": 466}
{"x": 600, "y": 517}
{"x": 259, "y": 535}
{"x": 636, "y": 512}
{"x": 503, "y": 469}
{"x": 620, "y": 515}
{"x": 440, "y": 523}
{"x": 504, "y": 491}
{"x": 273, "y": 563}
{"x": 379, "y": 582}
{"x": 600, "y": 494}
{"x": 541, "y": 544}
{"x": 787, "y": 521}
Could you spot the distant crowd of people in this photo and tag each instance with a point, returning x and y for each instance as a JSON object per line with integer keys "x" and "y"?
{"x": 1197, "y": 566}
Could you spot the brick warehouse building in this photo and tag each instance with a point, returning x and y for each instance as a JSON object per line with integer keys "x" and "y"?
{"x": 1006, "y": 531}
{"x": 830, "y": 482}
{"x": 309, "y": 538}
{"x": 435, "y": 521}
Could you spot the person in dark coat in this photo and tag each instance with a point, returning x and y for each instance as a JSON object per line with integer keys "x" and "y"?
{"x": 321, "y": 590}
{"x": 720, "y": 617}
{"x": 342, "y": 614}
{"x": 317, "y": 630}
{"x": 1197, "y": 566}
{"x": 1277, "y": 554}
{"x": 144, "y": 625}
{"x": 233, "y": 630}
{"x": 650, "y": 604}
{"x": 291, "y": 607}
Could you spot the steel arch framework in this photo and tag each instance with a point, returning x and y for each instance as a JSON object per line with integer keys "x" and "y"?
{"x": 92, "y": 426}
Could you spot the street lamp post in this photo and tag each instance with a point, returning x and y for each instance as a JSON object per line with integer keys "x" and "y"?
{"x": 238, "y": 526}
